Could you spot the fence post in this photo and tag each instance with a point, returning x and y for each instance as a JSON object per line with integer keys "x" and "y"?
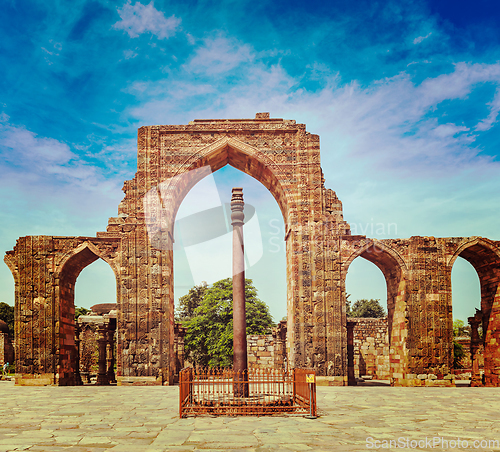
{"x": 310, "y": 380}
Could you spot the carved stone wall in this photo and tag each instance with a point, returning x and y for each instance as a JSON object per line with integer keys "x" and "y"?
{"x": 420, "y": 323}
{"x": 45, "y": 269}
{"x": 285, "y": 158}
{"x": 138, "y": 243}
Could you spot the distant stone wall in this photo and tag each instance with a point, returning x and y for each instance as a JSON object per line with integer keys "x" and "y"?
{"x": 371, "y": 348}
{"x": 267, "y": 351}
{"x": 6, "y": 349}
{"x": 260, "y": 351}
{"x": 464, "y": 372}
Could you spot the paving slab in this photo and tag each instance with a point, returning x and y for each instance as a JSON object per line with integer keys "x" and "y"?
{"x": 126, "y": 419}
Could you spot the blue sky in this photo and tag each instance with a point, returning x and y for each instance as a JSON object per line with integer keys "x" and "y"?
{"x": 404, "y": 95}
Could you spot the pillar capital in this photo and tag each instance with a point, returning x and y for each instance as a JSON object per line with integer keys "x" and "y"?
{"x": 237, "y": 206}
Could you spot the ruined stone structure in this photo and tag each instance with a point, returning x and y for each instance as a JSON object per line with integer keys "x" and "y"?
{"x": 95, "y": 345}
{"x": 6, "y": 348}
{"x": 268, "y": 351}
{"x": 179, "y": 363}
{"x": 370, "y": 348}
{"x": 137, "y": 245}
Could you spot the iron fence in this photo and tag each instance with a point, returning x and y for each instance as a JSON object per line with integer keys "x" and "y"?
{"x": 270, "y": 391}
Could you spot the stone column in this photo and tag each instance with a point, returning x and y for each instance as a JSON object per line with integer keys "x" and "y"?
{"x": 110, "y": 359}
{"x": 351, "y": 377}
{"x": 78, "y": 377}
{"x": 240, "y": 363}
{"x": 475, "y": 343}
{"x": 102, "y": 378}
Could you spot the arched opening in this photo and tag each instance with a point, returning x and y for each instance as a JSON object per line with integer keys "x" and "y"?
{"x": 466, "y": 300}
{"x": 202, "y": 249}
{"x": 485, "y": 259}
{"x": 203, "y": 238}
{"x": 95, "y": 287}
{"x": 161, "y": 204}
{"x": 96, "y": 284}
{"x": 372, "y": 341}
{"x": 365, "y": 281}
{"x": 67, "y": 356}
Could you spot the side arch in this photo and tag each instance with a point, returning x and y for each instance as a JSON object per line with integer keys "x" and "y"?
{"x": 484, "y": 256}
{"x": 67, "y": 272}
{"x": 374, "y": 251}
{"x": 477, "y": 247}
{"x": 10, "y": 262}
{"x": 394, "y": 270}
{"x": 85, "y": 254}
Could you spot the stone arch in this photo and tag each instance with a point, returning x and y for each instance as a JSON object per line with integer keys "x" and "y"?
{"x": 70, "y": 266}
{"x": 392, "y": 267}
{"x": 485, "y": 258}
{"x": 12, "y": 267}
{"x": 162, "y": 202}
{"x": 249, "y": 160}
{"x": 87, "y": 253}
{"x": 176, "y": 170}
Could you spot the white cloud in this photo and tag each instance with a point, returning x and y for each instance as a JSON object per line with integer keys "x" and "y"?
{"x": 24, "y": 147}
{"x": 128, "y": 54}
{"x": 219, "y": 55}
{"x": 138, "y": 19}
{"x": 28, "y": 158}
{"x": 488, "y": 122}
{"x": 421, "y": 38}
{"x": 395, "y": 133}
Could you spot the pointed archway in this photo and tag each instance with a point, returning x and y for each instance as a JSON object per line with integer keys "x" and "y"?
{"x": 485, "y": 258}
{"x": 394, "y": 270}
{"x": 67, "y": 273}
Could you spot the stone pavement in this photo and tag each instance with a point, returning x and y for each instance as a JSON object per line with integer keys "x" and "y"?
{"x": 126, "y": 419}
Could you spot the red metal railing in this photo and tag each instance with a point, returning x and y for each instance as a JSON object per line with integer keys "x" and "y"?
{"x": 270, "y": 391}
{"x": 304, "y": 388}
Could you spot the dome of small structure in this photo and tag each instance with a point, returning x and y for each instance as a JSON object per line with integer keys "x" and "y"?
{"x": 103, "y": 308}
{"x": 4, "y": 328}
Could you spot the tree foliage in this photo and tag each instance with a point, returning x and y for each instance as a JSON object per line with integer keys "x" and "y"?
{"x": 460, "y": 329}
{"x": 365, "y": 308}
{"x": 458, "y": 355}
{"x": 7, "y": 315}
{"x": 209, "y": 335}
{"x": 80, "y": 311}
{"x": 189, "y": 302}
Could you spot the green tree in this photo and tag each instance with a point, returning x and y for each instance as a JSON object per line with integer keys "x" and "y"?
{"x": 458, "y": 355}
{"x": 459, "y": 328}
{"x": 365, "y": 308}
{"x": 189, "y": 302}
{"x": 209, "y": 335}
{"x": 81, "y": 311}
{"x": 7, "y": 315}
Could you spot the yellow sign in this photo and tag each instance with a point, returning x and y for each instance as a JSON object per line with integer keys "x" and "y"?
{"x": 310, "y": 378}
